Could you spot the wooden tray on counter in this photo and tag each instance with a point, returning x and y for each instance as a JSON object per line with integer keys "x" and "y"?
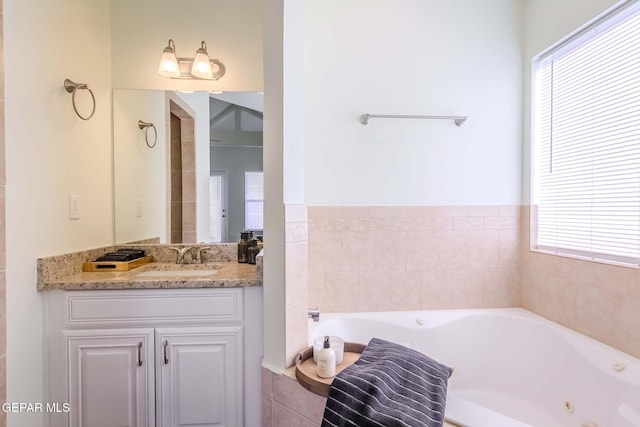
{"x": 306, "y": 368}
{"x": 116, "y": 265}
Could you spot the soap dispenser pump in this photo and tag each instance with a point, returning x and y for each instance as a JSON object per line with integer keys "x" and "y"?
{"x": 326, "y": 360}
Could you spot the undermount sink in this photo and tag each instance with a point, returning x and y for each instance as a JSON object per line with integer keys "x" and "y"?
{"x": 177, "y": 270}
{"x": 176, "y": 273}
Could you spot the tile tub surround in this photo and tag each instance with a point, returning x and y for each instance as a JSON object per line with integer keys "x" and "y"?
{"x": 65, "y": 271}
{"x": 440, "y": 257}
{"x": 296, "y": 279}
{"x": 388, "y": 258}
{"x": 596, "y": 299}
{"x": 287, "y": 403}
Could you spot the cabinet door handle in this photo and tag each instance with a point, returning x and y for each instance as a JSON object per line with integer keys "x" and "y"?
{"x": 166, "y": 356}
{"x": 140, "y": 353}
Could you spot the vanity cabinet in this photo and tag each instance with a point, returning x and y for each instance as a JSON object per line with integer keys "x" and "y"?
{"x": 198, "y": 377}
{"x": 111, "y": 377}
{"x": 165, "y": 358}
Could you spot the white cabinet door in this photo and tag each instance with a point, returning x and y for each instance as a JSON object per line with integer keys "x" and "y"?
{"x": 111, "y": 377}
{"x": 199, "y": 377}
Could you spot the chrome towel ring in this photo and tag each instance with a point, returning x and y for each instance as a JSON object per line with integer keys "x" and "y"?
{"x": 146, "y": 126}
{"x": 73, "y": 87}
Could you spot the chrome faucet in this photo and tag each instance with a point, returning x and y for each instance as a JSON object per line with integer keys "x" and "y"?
{"x": 314, "y": 314}
{"x": 196, "y": 254}
{"x": 180, "y": 252}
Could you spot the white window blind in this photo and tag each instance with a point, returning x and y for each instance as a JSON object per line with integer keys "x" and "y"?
{"x": 587, "y": 141}
{"x": 254, "y": 200}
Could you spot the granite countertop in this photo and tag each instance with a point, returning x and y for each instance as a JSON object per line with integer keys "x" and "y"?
{"x": 160, "y": 275}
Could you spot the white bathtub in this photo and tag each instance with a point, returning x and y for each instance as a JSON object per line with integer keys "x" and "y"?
{"x": 512, "y": 367}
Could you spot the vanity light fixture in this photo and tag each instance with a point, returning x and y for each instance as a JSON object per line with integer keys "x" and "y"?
{"x": 201, "y": 67}
{"x": 169, "y": 63}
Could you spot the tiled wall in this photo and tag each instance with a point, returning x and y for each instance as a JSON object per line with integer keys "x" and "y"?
{"x": 297, "y": 280}
{"x": 596, "y": 299}
{"x": 428, "y": 257}
{"x": 3, "y": 272}
{"x": 183, "y": 172}
{"x": 286, "y": 404}
{"x": 405, "y": 258}
{"x": 412, "y": 258}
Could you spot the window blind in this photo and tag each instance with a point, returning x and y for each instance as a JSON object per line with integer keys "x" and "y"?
{"x": 587, "y": 142}
{"x": 254, "y": 204}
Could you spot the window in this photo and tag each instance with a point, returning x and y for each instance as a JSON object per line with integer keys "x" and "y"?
{"x": 253, "y": 200}
{"x": 586, "y": 139}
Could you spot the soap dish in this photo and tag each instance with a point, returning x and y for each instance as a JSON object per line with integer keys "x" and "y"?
{"x": 306, "y": 368}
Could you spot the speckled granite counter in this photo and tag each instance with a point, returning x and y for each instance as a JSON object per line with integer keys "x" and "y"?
{"x": 227, "y": 275}
{"x": 64, "y": 272}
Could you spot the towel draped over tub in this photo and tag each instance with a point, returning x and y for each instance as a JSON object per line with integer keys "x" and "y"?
{"x": 389, "y": 385}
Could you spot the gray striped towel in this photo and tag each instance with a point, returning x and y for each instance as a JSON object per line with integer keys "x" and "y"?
{"x": 389, "y": 385}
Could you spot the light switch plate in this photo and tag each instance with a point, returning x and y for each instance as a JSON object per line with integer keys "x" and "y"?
{"x": 138, "y": 208}
{"x": 74, "y": 206}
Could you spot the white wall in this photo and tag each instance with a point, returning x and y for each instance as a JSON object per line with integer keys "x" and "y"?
{"x": 294, "y": 112}
{"x": 274, "y": 238}
{"x": 232, "y": 30}
{"x": 435, "y": 57}
{"x": 140, "y": 171}
{"x": 546, "y": 22}
{"x": 51, "y": 153}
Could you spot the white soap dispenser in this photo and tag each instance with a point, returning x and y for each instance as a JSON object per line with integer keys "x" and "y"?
{"x": 326, "y": 360}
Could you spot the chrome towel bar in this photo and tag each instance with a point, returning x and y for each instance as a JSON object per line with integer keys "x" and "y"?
{"x": 364, "y": 119}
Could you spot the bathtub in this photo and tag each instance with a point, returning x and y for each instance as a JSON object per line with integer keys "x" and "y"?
{"x": 512, "y": 368}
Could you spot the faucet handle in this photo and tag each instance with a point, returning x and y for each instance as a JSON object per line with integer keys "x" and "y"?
{"x": 179, "y": 254}
{"x": 196, "y": 253}
{"x": 201, "y": 251}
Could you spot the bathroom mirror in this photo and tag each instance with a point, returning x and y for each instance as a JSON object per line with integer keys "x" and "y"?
{"x": 187, "y": 166}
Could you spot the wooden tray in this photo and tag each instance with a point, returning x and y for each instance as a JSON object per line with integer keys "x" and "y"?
{"x": 116, "y": 265}
{"x": 306, "y": 368}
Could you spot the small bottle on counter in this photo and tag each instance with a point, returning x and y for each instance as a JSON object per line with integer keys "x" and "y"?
{"x": 326, "y": 360}
{"x": 252, "y": 251}
{"x": 243, "y": 246}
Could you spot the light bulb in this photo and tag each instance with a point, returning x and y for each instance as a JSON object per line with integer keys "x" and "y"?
{"x": 201, "y": 64}
{"x": 169, "y": 63}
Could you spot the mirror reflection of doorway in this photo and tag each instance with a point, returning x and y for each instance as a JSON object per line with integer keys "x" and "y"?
{"x": 218, "y": 206}
{"x": 182, "y": 209}
{"x": 236, "y": 132}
